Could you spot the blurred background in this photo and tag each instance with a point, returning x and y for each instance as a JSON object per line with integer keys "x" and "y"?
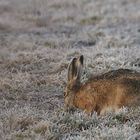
{"x": 38, "y": 38}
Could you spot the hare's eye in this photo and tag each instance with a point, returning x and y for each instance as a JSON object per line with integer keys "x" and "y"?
{"x": 65, "y": 93}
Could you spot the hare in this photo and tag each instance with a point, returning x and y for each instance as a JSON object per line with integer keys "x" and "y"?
{"x": 104, "y": 93}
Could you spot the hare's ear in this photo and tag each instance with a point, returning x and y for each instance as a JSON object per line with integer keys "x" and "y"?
{"x": 81, "y": 60}
{"x": 75, "y": 69}
{"x": 72, "y": 69}
{"x": 79, "y": 66}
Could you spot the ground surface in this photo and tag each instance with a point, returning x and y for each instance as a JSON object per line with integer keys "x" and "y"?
{"x": 38, "y": 38}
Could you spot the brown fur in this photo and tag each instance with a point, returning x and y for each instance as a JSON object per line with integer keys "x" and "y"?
{"x": 103, "y": 93}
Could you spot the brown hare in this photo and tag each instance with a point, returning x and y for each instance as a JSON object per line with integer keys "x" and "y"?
{"x": 107, "y": 92}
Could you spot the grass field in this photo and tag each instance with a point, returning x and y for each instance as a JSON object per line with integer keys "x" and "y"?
{"x": 38, "y": 38}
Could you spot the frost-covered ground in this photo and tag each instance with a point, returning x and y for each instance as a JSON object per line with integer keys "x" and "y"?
{"x": 38, "y": 38}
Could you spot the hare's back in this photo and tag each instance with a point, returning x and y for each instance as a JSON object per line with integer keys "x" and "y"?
{"x": 111, "y": 90}
{"x": 115, "y": 74}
